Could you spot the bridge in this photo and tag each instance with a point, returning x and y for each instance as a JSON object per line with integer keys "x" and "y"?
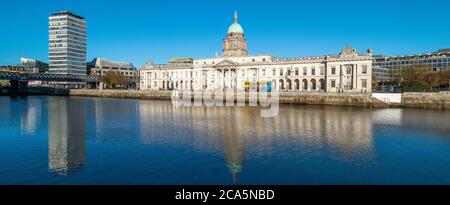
{"x": 48, "y": 77}
{"x": 19, "y": 80}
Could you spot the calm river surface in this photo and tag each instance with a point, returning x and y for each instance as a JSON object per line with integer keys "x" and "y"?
{"x": 67, "y": 140}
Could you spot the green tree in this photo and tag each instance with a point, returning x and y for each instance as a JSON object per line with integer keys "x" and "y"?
{"x": 416, "y": 79}
{"x": 112, "y": 79}
{"x": 375, "y": 82}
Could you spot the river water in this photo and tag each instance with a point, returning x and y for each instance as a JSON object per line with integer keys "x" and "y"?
{"x": 71, "y": 140}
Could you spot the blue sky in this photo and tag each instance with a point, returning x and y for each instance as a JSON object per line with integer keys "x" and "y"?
{"x": 134, "y": 31}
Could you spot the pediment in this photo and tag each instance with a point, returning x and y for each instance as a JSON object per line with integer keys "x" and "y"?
{"x": 226, "y": 62}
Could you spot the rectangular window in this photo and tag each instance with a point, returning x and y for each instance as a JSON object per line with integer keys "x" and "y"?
{"x": 305, "y": 71}
{"x": 274, "y": 72}
{"x": 333, "y": 71}
{"x": 263, "y": 72}
{"x": 296, "y": 71}
{"x": 322, "y": 70}
{"x": 364, "y": 69}
{"x": 364, "y": 83}
{"x": 333, "y": 83}
{"x": 281, "y": 72}
{"x": 349, "y": 70}
{"x": 313, "y": 71}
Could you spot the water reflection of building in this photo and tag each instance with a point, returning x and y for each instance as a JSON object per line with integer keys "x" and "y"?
{"x": 239, "y": 131}
{"x": 67, "y": 134}
{"x": 114, "y": 119}
{"x": 31, "y": 118}
{"x": 414, "y": 119}
{"x": 5, "y": 109}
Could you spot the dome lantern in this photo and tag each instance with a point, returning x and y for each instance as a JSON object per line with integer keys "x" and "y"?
{"x": 235, "y": 27}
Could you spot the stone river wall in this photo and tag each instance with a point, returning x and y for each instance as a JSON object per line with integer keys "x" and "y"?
{"x": 439, "y": 100}
{"x": 364, "y": 100}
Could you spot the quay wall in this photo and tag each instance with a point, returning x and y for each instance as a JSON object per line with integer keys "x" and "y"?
{"x": 439, "y": 100}
{"x": 425, "y": 100}
{"x": 349, "y": 99}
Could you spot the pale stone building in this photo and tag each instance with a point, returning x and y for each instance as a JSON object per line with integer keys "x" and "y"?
{"x": 347, "y": 71}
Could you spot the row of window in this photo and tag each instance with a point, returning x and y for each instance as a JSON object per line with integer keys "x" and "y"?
{"x": 63, "y": 20}
{"x": 67, "y": 62}
{"x": 61, "y": 58}
{"x": 56, "y": 30}
{"x": 414, "y": 61}
{"x": 65, "y": 40}
{"x": 121, "y": 72}
{"x": 64, "y": 52}
{"x": 64, "y": 33}
{"x": 363, "y": 83}
{"x": 67, "y": 37}
{"x": 115, "y": 68}
{"x": 66, "y": 45}
{"x": 289, "y": 72}
{"x": 305, "y": 86}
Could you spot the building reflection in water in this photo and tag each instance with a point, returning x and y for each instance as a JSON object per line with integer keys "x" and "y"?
{"x": 27, "y": 111}
{"x": 414, "y": 118}
{"x": 5, "y": 109}
{"x": 114, "y": 120}
{"x": 32, "y": 116}
{"x": 237, "y": 131}
{"x": 67, "y": 134}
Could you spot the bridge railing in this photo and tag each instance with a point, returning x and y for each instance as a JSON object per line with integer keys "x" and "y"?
{"x": 48, "y": 77}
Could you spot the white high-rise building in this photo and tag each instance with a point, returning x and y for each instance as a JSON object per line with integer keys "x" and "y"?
{"x": 67, "y": 43}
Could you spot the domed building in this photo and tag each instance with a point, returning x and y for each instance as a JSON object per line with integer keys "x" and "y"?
{"x": 235, "y": 43}
{"x": 235, "y": 70}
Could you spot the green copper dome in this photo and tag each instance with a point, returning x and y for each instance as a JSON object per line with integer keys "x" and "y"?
{"x": 235, "y": 27}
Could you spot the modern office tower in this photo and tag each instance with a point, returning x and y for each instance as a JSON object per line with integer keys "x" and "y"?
{"x": 384, "y": 67}
{"x": 67, "y": 43}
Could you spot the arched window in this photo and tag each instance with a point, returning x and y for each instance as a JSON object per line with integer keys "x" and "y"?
{"x": 305, "y": 84}
{"x": 313, "y": 84}
{"x": 289, "y": 84}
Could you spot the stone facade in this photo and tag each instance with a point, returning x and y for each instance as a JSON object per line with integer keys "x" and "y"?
{"x": 347, "y": 71}
{"x": 235, "y": 43}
